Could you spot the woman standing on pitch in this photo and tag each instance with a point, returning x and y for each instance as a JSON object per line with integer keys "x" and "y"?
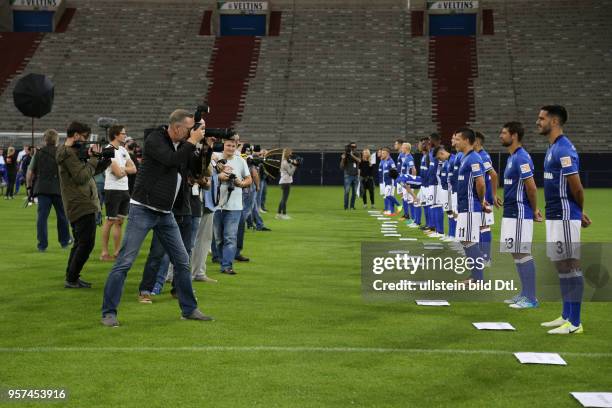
{"x": 367, "y": 171}
{"x": 287, "y": 168}
{"x": 11, "y": 171}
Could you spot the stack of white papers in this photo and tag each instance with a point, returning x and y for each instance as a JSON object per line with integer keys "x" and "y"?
{"x": 540, "y": 358}
{"x": 432, "y": 303}
{"x": 594, "y": 399}
{"x": 493, "y": 326}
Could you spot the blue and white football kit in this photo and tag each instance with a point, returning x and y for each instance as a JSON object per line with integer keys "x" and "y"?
{"x": 563, "y": 223}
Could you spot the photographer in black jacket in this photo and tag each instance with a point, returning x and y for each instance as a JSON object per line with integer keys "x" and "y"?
{"x": 157, "y": 185}
{"x": 156, "y": 268}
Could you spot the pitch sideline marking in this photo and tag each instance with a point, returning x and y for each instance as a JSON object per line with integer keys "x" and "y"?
{"x": 282, "y": 349}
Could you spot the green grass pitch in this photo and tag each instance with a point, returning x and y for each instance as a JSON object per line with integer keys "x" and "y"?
{"x": 291, "y": 329}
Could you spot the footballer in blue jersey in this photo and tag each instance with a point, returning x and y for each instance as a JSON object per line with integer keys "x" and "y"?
{"x": 490, "y": 176}
{"x": 453, "y": 180}
{"x": 388, "y": 170}
{"x": 423, "y": 148}
{"x": 435, "y": 221}
{"x": 471, "y": 200}
{"x": 564, "y": 198}
{"x": 452, "y": 196}
{"x": 520, "y": 211}
{"x": 381, "y": 184}
{"x": 406, "y": 167}
{"x": 443, "y": 156}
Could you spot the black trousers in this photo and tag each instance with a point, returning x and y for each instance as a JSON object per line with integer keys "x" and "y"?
{"x": 84, "y": 235}
{"x": 10, "y": 187}
{"x": 282, "y": 206}
{"x": 367, "y": 185}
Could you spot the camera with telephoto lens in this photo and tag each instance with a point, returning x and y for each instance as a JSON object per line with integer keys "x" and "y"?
{"x": 219, "y": 133}
{"x": 108, "y": 152}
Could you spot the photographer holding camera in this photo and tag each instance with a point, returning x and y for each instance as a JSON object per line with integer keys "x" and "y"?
{"x": 78, "y": 165}
{"x": 350, "y": 164}
{"x": 288, "y": 166}
{"x": 158, "y": 183}
{"x": 233, "y": 178}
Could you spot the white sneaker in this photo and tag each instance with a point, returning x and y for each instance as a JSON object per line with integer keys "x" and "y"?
{"x": 559, "y": 321}
{"x": 286, "y": 217}
{"x": 567, "y": 328}
{"x": 204, "y": 278}
{"x": 278, "y": 216}
{"x": 435, "y": 235}
{"x": 513, "y": 300}
{"x": 524, "y": 303}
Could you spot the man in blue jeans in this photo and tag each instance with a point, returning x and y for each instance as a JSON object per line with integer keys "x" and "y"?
{"x": 43, "y": 177}
{"x": 234, "y": 177}
{"x": 350, "y": 164}
{"x": 157, "y": 185}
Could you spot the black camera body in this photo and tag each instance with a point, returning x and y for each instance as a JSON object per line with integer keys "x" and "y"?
{"x": 296, "y": 160}
{"x": 107, "y": 152}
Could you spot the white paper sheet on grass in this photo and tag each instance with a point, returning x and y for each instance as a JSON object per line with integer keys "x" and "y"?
{"x": 540, "y": 358}
{"x": 393, "y": 235}
{"x": 594, "y": 399}
{"x": 407, "y": 239}
{"x": 432, "y": 303}
{"x": 493, "y": 326}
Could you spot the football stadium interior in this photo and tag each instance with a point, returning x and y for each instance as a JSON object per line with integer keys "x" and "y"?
{"x": 299, "y": 325}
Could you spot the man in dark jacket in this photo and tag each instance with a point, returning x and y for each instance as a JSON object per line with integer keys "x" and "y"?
{"x": 158, "y": 262}
{"x": 43, "y": 178}
{"x": 158, "y": 183}
{"x": 80, "y": 197}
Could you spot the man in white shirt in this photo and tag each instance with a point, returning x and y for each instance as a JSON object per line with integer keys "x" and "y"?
{"x": 116, "y": 191}
{"x": 233, "y": 179}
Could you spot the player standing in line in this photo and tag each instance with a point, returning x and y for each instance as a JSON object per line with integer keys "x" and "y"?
{"x": 407, "y": 168}
{"x": 491, "y": 181}
{"x": 433, "y": 173}
{"x": 564, "y": 197}
{"x": 422, "y": 195}
{"x": 453, "y": 180}
{"x": 450, "y": 167}
{"x": 520, "y": 211}
{"x": 386, "y": 164}
{"x": 400, "y": 161}
{"x": 471, "y": 200}
{"x": 443, "y": 157}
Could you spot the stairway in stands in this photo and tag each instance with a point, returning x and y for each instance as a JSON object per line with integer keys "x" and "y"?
{"x": 233, "y": 62}
{"x": 16, "y": 50}
{"x": 453, "y": 65}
